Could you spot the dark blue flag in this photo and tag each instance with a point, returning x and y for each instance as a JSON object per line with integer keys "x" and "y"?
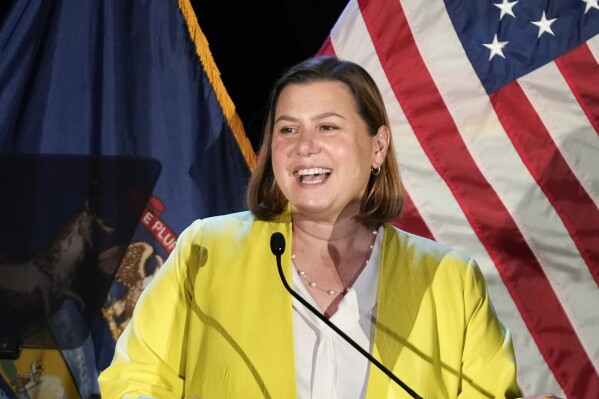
{"x": 115, "y": 78}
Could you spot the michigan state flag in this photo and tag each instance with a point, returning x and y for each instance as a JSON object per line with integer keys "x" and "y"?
{"x": 95, "y": 80}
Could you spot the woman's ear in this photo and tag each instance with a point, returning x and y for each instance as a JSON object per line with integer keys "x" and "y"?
{"x": 381, "y": 145}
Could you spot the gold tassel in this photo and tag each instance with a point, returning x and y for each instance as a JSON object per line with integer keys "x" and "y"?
{"x": 203, "y": 51}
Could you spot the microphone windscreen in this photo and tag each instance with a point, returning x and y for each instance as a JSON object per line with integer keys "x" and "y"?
{"x": 277, "y": 244}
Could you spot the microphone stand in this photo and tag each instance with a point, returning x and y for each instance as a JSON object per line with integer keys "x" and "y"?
{"x": 277, "y": 246}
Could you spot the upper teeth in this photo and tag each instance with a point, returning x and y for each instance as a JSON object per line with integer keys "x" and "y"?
{"x": 313, "y": 171}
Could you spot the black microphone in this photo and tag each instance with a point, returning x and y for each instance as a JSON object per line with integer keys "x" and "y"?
{"x": 277, "y": 246}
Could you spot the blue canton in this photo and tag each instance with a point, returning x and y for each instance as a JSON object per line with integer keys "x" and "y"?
{"x": 505, "y": 40}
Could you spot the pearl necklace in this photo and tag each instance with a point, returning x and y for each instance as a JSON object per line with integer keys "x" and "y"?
{"x": 313, "y": 284}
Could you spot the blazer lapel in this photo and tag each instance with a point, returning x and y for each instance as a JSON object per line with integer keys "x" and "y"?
{"x": 399, "y": 294}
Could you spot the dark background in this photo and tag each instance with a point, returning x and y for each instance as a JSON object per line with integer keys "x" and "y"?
{"x": 253, "y": 42}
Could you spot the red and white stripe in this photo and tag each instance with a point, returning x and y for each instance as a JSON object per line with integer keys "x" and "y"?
{"x": 510, "y": 178}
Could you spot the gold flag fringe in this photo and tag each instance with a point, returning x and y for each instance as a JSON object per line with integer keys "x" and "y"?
{"x": 203, "y": 51}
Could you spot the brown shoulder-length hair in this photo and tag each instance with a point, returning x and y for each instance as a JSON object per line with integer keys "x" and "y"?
{"x": 383, "y": 198}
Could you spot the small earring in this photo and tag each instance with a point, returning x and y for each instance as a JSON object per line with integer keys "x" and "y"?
{"x": 376, "y": 171}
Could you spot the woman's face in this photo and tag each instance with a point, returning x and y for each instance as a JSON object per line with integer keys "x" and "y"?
{"x": 321, "y": 151}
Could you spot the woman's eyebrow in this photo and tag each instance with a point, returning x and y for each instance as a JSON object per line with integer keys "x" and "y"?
{"x": 327, "y": 114}
{"x": 315, "y": 117}
{"x": 285, "y": 118}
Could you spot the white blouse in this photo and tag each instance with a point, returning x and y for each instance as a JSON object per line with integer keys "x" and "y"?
{"x": 327, "y": 366}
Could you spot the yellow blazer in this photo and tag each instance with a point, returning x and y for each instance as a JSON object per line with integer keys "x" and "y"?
{"x": 216, "y": 322}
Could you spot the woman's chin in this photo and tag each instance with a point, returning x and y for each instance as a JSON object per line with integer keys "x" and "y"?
{"x": 319, "y": 211}
{"x": 311, "y": 210}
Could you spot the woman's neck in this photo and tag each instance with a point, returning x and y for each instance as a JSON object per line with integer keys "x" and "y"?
{"x": 330, "y": 239}
{"x": 332, "y": 255}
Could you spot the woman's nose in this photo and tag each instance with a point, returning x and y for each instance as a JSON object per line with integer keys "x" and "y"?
{"x": 307, "y": 143}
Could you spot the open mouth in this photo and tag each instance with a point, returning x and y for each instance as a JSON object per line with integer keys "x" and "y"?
{"x": 313, "y": 175}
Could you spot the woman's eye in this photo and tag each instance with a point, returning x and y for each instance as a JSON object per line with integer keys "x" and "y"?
{"x": 328, "y": 128}
{"x": 286, "y": 130}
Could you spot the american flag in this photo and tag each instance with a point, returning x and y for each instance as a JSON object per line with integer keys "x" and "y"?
{"x": 494, "y": 107}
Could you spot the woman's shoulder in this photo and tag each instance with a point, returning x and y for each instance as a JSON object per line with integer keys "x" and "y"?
{"x": 420, "y": 244}
{"x": 236, "y": 218}
{"x": 423, "y": 253}
{"x": 428, "y": 261}
{"x": 219, "y": 224}
{"x": 237, "y": 226}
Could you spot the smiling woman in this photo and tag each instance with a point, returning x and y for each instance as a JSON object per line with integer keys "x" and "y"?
{"x": 322, "y": 154}
{"x": 327, "y": 181}
{"x": 336, "y": 105}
